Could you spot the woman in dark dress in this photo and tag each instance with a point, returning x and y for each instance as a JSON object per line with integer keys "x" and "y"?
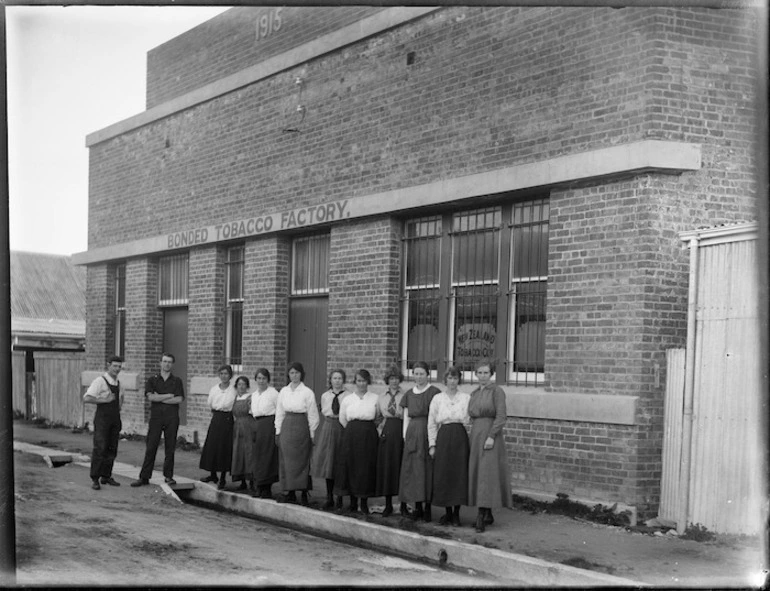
{"x": 217, "y": 454}
{"x": 327, "y": 462}
{"x": 416, "y": 478}
{"x": 265, "y": 453}
{"x": 488, "y": 477}
{"x": 390, "y": 449}
{"x": 243, "y": 434}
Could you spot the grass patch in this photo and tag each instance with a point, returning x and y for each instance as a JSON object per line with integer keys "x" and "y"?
{"x": 698, "y": 533}
{"x": 42, "y": 423}
{"x": 564, "y": 506}
{"x": 184, "y": 445}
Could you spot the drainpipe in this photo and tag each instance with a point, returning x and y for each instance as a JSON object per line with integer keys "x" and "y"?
{"x": 689, "y": 392}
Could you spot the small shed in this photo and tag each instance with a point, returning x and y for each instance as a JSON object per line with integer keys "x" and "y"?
{"x": 48, "y": 333}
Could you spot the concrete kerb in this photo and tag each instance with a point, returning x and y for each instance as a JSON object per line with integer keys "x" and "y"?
{"x": 504, "y": 565}
{"x": 49, "y": 455}
{"x": 53, "y": 457}
{"x": 438, "y": 551}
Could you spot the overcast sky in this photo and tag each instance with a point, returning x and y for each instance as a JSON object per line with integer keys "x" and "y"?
{"x": 72, "y": 71}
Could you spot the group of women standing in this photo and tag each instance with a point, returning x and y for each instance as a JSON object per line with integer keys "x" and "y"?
{"x": 411, "y": 444}
{"x": 241, "y": 436}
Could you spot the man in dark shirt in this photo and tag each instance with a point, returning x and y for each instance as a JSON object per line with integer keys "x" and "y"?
{"x": 166, "y": 392}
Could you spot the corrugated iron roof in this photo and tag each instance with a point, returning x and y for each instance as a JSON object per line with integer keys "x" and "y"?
{"x": 47, "y": 287}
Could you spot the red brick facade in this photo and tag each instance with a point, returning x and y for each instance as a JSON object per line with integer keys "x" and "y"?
{"x": 454, "y": 92}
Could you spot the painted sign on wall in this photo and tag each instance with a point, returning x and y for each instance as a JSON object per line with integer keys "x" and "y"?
{"x": 286, "y": 220}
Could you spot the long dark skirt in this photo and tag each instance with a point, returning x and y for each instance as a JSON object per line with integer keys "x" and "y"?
{"x": 265, "y": 451}
{"x": 341, "y": 485}
{"x": 359, "y": 448}
{"x": 389, "y": 454}
{"x": 217, "y": 454}
{"x": 327, "y": 443}
{"x": 488, "y": 480}
{"x": 416, "y": 479}
{"x": 294, "y": 453}
{"x": 450, "y": 466}
{"x": 243, "y": 447}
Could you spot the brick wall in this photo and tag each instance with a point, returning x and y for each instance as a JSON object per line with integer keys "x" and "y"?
{"x": 100, "y": 310}
{"x": 617, "y": 301}
{"x": 205, "y": 325}
{"x": 477, "y": 97}
{"x": 144, "y": 327}
{"x": 488, "y": 87}
{"x": 266, "y": 306}
{"x": 573, "y": 457}
{"x": 206, "y": 321}
{"x": 364, "y": 273}
{"x": 230, "y": 42}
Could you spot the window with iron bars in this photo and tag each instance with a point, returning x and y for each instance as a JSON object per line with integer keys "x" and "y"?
{"x": 310, "y": 265}
{"x": 120, "y": 310}
{"x": 475, "y": 288}
{"x": 234, "y": 307}
{"x": 172, "y": 280}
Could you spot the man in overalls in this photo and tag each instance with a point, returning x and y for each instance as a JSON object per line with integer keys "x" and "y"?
{"x": 107, "y": 394}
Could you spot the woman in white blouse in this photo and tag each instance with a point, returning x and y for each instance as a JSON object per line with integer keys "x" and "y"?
{"x": 217, "y": 454}
{"x": 449, "y": 447}
{"x": 359, "y": 415}
{"x": 265, "y": 458}
{"x": 326, "y": 461}
{"x": 296, "y": 419}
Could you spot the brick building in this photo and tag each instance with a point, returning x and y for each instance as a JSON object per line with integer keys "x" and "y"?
{"x": 354, "y": 186}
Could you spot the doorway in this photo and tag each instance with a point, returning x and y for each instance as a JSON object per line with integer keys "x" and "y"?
{"x": 309, "y": 308}
{"x": 308, "y": 322}
{"x": 175, "y": 342}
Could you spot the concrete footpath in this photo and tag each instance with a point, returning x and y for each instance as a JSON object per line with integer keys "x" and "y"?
{"x": 542, "y": 549}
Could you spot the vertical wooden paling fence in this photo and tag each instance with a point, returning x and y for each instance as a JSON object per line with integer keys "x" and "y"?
{"x": 19, "y": 373}
{"x": 58, "y": 393}
{"x": 672, "y": 434}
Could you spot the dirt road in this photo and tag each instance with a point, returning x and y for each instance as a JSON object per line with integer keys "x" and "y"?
{"x": 68, "y": 534}
{"x": 656, "y": 560}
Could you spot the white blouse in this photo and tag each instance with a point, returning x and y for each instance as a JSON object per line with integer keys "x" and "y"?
{"x": 302, "y": 400}
{"x": 263, "y": 405}
{"x": 354, "y": 408}
{"x": 444, "y": 411}
{"x": 222, "y": 399}
{"x": 326, "y": 402}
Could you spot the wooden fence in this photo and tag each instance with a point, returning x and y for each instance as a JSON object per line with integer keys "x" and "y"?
{"x": 58, "y": 395}
{"x": 19, "y": 374}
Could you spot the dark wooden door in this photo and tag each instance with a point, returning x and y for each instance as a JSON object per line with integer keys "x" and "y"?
{"x": 308, "y": 337}
{"x": 175, "y": 342}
